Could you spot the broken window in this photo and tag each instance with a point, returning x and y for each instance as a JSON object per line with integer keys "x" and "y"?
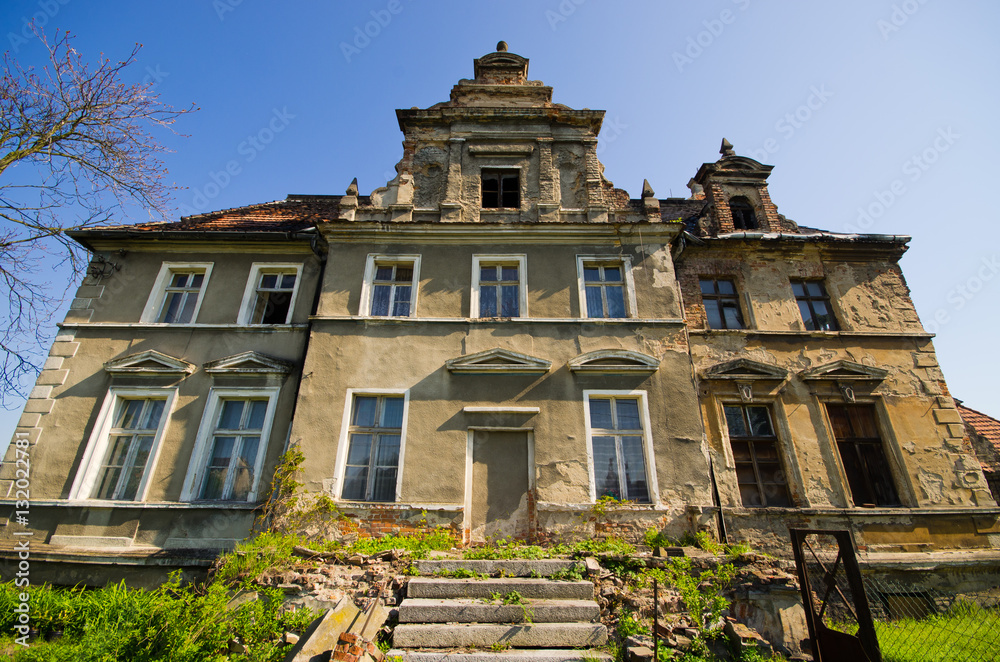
{"x": 605, "y": 289}
{"x": 272, "y": 299}
{"x": 814, "y": 305}
{"x": 137, "y": 422}
{"x": 743, "y": 214}
{"x": 617, "y": 441}
{"x": 392, "y": 289}
{"x": 759, "y": 471}
{"x": 499, "y": 288}
{"x": 501, "y": 189}
{"x": 722, "y": 307}
{"x": 863, "y": 455}
{"x": 373, "y": 453}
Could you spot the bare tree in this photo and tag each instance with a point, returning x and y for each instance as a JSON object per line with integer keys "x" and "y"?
{"x": 75, "y": 151}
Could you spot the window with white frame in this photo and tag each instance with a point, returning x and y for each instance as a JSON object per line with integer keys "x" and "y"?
{"x": 617, "y": 426}
{"x": 270, "y": 294}
{"x": 231, "y": 445}
{"x": 177, "y": 293}
{"x": 606, "y": 287}
{"x": 498, "y": 288}
{"x": 374, "y": 446}
{"x": 122, "y": 450}
{"x": 390, "y": 286}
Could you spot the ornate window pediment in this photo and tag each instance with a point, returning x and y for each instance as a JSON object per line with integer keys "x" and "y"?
{"x": 498, "y": 360}
{"x": 614, "y": 362}
{"x": 248, "y": 363}
{"x": 745, "y": 370}
{"x": 844, "y": 370}
{"x": 150, "y": 362}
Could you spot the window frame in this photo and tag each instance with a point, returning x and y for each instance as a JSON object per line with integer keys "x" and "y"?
{"x": 782, "y": 450}
{"x": 808, "y": 299}
{"x": 716, "y": 296}
{"x": 625, "y": 263}
{"x": 647, "y": 439}
{"x": 99, "y": 442}
{"x": 368, "y": 285}
{"x": 249, "y": 301}
{"x": 158, "y": 294}
{"x": 344, "y": 442}
{"x": 889, "y": 454}
{"x": 198, "y": 466}
{"x": 500, "y": 171}
{"x": 479, "y": 261}
{"x": 739, "y": 200}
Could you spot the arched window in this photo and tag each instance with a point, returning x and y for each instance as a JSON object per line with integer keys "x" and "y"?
{"x": 743, "y": 214}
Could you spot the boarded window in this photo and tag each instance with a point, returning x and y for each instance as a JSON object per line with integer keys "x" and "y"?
{"x": 863, "y": 455}
{"x": 759, "y": 470}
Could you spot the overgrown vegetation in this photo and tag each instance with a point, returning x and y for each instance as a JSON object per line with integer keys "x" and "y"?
{"x": 515, "y": 598}
{"x": 513, "y": 549}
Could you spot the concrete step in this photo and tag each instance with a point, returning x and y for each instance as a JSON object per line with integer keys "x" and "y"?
{"x": 472, "y": 610}
{"x": 442, "y": 588}
{"x": 538, "y": 635}
{"x": 505, "y": 567}
{"x": 519, "y": 655}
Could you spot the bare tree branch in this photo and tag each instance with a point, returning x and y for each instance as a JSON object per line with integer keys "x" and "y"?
{"x": 75, "y": 152}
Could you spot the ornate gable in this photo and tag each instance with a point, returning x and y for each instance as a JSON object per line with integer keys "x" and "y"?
{"x": 844, "y": 370}
{"x": 498, "y": 360}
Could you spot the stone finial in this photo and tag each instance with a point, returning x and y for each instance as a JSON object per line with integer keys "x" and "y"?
{"x": 727, "y": 148}
{"x": 353, "y": 188}
{"x": 501, "y": 47}
{"x": 647, "y": 190}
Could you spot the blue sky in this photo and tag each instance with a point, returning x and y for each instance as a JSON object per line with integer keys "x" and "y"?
{"x": 879, "y": 116}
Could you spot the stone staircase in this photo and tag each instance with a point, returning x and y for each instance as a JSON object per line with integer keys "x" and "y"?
{"x": 460, "y": 620}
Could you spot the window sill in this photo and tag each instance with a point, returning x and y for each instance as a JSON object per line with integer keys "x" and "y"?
{"x": 141, "y": 505}
{"x": 247, "y": 328}
{"x": 813, "y": 334}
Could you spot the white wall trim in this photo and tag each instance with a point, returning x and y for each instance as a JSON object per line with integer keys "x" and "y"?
{"x": 521, "y": 260}
{"x": 367, "y": 284}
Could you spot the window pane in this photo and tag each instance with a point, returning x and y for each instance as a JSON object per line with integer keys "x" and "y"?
{"x": 628, "y": 415}
{"x": 760, "y": 422}
{"x": 591, "y": 274}
{"x": 606, "y": 468}
{"x": 765, "y": 451}
{"x": 401, "y": 306}
{"x": 364, "y": 411}
{"x": 384, "y": 485}
{"x": 392, "y": 413}
{"x": 732, "y": 314}
{"x": 243, "y": 478}
{"x": 616, "y": 301}
{"x": 196, "y": 280}
{"x": 404, "y": 274}
{"x": 288, "y": 281}
{"x": 491, "y": 182}
{"x": 355, "y": 483}
{"x": 230, "y": 415}
{"x": 380, "y": 300}
{"x": 798, "y": 289}
{"x": 741, "y": 451}
{"x": 129, "y": 417}
{"x": 879, "y": 474}
{"x": 171, "y": 308}
{"x": 268, "y": 280}
{"x": 707, "y": 286}
{"x": 734, "y": 420}
{"x": 488, "y": 301}
{"x": 178, "y": 280}
{"x": 383, "y": 272}
{"x": 387, "y": 453}
{"x": 613, "y": 274}
{"x": 154, "y": 410}
{"x": 635, "y": 469}
{"x": 600, "y": 414}
{"x": 187, "y": 313}
{"x": 487, "y": 274}
{"x": 714, "y": 314}
{"x": 360, "y": 450}
{"x": 509, "y": 305}
{"x": 807, "y": 318}
{"x": 815, "y": 289}
{"x": 750, "y": 495}
{"x": 255, "y": 417}
{"x": 595, "y": 307}
{"x": 108, "y": 484}
{"x": 726, "y": 287}
{"x": 509, "y": 273}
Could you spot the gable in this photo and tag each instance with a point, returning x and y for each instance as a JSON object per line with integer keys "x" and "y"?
{"x": 248, "y": 363}
{"x": 150, "y": 362}
{"x": 498, "y": 360}
{"x": 614, "y": 361}
{"x": 745, "y": 369}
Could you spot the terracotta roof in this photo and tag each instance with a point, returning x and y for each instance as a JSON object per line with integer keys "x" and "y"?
{"x": 986, "y": 426}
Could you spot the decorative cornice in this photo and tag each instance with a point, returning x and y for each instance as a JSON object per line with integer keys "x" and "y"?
{"x": 150, "y": 363}
{"x": 248, "y": 363}
{"x": 614, "y": 362}
{"x": 498, "y": 361}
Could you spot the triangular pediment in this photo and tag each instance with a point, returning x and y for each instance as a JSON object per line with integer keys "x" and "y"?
{"x": 498, "y": 361}
{"x": 149, "y": 362}
{"x": 844, "y": 370}
{"x": 745, "y": 369}
{"x": 248, "y": 363}
{"x": 614, "y": 361}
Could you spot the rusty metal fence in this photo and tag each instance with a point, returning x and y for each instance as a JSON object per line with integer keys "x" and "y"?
{"x": 912, "y": 622}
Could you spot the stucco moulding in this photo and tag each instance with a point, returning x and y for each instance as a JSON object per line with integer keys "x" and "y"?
{"x": 149, "y": 362}
{"x": 614, "y": 362}
{"x": 498, "y": 361}
{"x": 248, "y": 363}
{"x": 844, "y": 370}
{"x": 745, "y": 370}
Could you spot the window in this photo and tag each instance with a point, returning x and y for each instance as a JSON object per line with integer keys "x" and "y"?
{"x": 501, "y": 189}
{"x": 862, "y": 454}
{"x": 374, "y": 436}
{"x": 721, "y": 305}
{"x": 498, "y": 286}
{"x": 755, "y": 451}
{"x": 121, "y": 453}
{"x": 606, "y": 288}
{"x": 390, "y": 285}
{"x": 176, "y": 296}
{"x": 814, "y": 304}
{"x": 742, "y": 212}
{"x": 231, "y": 444}
{"x": 618, "y": 444}
{"x": 270, "y": 294}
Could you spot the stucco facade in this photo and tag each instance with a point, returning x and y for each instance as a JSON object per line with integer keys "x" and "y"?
{"x": 492, "y": 342}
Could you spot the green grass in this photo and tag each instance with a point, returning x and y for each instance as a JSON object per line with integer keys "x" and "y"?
{"x": 513, "y": 549}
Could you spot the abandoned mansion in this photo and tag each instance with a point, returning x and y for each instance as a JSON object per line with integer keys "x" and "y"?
{"x": 502, "y": 343}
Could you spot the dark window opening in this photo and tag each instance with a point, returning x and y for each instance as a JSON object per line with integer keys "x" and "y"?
{"x": 814, "y": 304}
{"x": 759, "y": 472}
{"x": 744, "y": 217}
{"x": 863, "y": 456}
{"x": 721, "y": 305}
{"x": 501, "y": 190}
